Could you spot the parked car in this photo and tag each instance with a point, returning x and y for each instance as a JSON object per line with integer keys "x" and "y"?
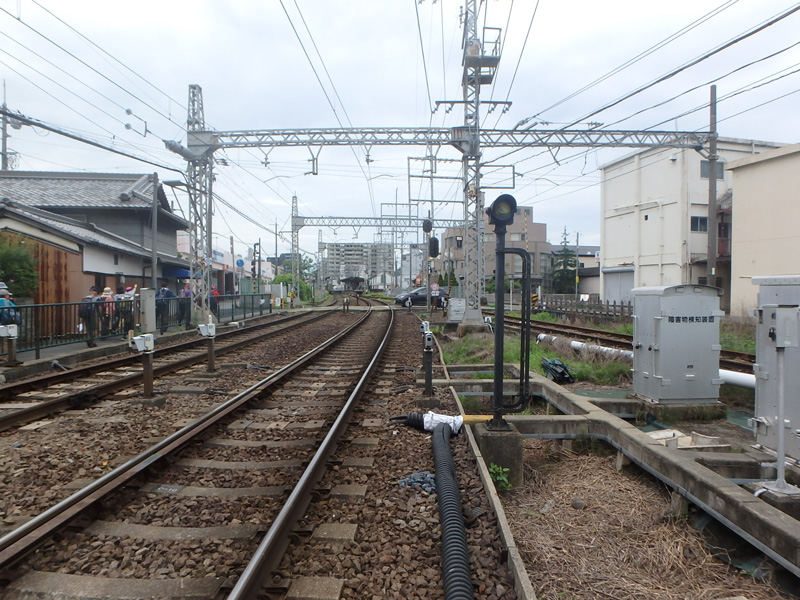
{"x": 419, "y": 296}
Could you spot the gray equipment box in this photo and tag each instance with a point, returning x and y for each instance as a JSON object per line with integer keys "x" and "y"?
{"x": 776, "y": 325}
{"x": 676, "y": 343}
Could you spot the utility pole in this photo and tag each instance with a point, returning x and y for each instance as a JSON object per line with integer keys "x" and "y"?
{"x": 258, "y": 273}
{"x": 233, "y": 267}
{"x": 577, "y": 260}
{"x": 295, "y": 252}
{"x": 154, "y": 257}
{"x": 712, "y": 191}
{"x": 5, "y": 132}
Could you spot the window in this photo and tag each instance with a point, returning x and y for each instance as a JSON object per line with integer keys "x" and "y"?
{"x": 699, "y": 223}
{"x": 517, "y": 237}
{"x": 704, "y": 170}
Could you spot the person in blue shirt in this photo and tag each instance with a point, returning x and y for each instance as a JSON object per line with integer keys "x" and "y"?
{"x": 9, "y": 315}
{"x": 163, "y": 305}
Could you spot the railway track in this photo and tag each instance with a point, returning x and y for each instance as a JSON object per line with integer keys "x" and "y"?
{"x": 194, "y": 509}
{"x": 729, "y": 360}
{"x": 183, "y": 461}
{"x": 24, "y": 401}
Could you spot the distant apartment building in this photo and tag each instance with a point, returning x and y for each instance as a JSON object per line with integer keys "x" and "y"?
{"x": 371, "y": 263}
{"x": 523, "y": 233}
{"x": 765, "y": 238}
{"x": 654, "y": 226}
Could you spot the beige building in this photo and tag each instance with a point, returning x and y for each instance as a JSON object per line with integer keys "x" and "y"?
{"x": 765, "y": 236}
{"x": 654, "y": 207}
{"x": 523, "y": 233}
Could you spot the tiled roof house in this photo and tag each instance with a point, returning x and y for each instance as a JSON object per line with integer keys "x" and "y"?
{"x": 90, "y": 229}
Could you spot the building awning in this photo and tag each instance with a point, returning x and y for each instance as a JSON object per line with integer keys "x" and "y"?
{"x": 176, "y": 272}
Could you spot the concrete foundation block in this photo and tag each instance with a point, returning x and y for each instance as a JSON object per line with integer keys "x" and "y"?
{"x": 678, "y": 504}
{"x": 622, "y": 461}
{"x": 429, "y": 402}
{"x": 503, "y": 448}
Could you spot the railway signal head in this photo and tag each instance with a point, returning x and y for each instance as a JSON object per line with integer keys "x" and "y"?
{"x": 502, "y": 210}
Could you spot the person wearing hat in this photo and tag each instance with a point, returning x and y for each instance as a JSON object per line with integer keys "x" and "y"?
{"x": 9, "y": 315}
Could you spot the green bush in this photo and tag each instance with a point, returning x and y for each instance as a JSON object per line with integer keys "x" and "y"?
{"x": 17, "y": 267}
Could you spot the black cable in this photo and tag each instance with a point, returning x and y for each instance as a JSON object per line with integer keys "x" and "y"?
{"x": 34, "y": 123}
{"x": 691, "y": 63}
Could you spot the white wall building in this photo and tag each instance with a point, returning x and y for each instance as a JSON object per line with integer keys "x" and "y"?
{"x": 765, "y": 236}
{"x": 654, "y": 208}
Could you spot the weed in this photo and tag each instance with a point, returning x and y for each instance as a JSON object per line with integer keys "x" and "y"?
{"x": 499, "y": 476}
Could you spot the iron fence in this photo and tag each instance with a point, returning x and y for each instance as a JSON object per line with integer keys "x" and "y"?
{"x": 43, "y": 326}
{"x": 592, "y": 309}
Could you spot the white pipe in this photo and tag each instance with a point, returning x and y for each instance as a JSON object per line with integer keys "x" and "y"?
{"x": 627, "y": 354}
{"x": 745, "y": 380}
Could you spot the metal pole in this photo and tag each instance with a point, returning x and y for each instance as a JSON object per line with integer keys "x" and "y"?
{"x": 258, "y": 273}
{"x": 211, "y": 363}
{"x": 427, "y": 362}
{"x": 147, "y": 365}
{"x": 5, "y": 132}
{"x": 497, "y": 421}
{"x": 712, "y": 190}
{"x": 233, "y": 268}
{"x": 154, "y": 258}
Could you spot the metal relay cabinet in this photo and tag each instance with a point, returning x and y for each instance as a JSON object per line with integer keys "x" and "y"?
{"x": 676, "y": 343}
{"x": 777, "y": 325}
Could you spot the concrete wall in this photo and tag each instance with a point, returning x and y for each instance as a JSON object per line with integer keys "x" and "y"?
{"x": 765, "y": 236}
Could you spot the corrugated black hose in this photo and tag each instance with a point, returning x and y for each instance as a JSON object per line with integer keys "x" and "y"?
{"x": 455, "y": 555}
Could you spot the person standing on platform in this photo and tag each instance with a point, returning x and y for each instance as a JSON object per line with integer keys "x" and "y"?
{"x": 163, "y": 306}
{"x": 89, "y": 312}
{"x": 185, "y": 306}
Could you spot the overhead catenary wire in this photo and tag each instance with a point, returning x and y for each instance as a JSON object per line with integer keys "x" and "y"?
{"x": 324, "y": 91}
{"x": 35, "y": 123}
{"x": 739, "y": 38}
{"x": 84, "y": 63}
{"x": 116, "y": 60}
{"x": 666, "y": 41}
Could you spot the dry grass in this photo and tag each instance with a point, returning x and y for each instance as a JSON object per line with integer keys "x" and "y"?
{"x": 624, "y": 544}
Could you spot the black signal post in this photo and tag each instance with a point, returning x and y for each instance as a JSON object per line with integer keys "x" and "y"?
{"x": 501, "y": 214}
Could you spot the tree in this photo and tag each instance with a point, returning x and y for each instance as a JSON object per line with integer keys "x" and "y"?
{"x": 18, "y": 268}
{"x": 286, "y": 279}
{"x": 306, "y": 267}
{"x": 564, "y": 270}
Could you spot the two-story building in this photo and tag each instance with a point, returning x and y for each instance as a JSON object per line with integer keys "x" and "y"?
{"x": 89, "y": 229}
{"x": 654, "y": 218}
{"x": 765, "y": 238}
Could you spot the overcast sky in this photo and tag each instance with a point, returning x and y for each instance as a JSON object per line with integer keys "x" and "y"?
{"x": 277, "y": 64}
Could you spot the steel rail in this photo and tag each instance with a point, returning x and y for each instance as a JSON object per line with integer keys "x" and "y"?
{"x": 79, "y": 398}
{"x": 19, "y": 542}
{"x": 729, "y": 359}
{"x": 258, "y": 573}
{"x": 9, "y": 390}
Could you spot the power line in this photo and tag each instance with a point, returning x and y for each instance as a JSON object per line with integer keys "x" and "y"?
{"x": 68, "y": 26}
{"x": 671, "y": 38}
{"x": 709, "y": 82}
{"x": 84, "y": 63}
{"x": 424, "y": 63}
{"x": 692, "y": 63}
{"x": 324, "y": 91}
{"x": 35, "y": 123}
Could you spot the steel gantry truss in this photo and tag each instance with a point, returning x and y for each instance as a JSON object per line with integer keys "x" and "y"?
{"x": 480, "y": 59}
